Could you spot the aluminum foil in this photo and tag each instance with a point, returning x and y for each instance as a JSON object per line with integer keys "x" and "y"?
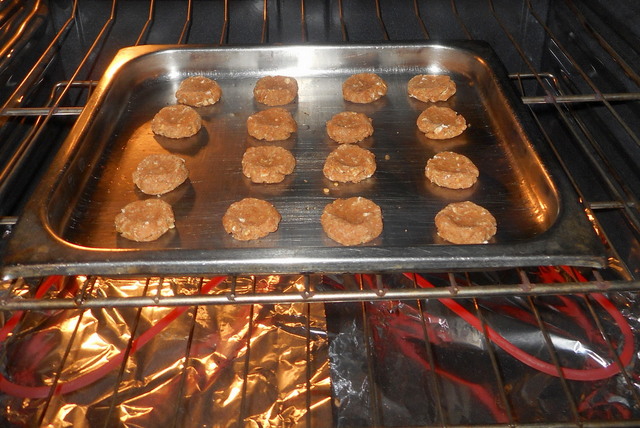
{"x": 215, "y": 366}
{"x": 408, "y": 363}
{"x": 387, "y": 363}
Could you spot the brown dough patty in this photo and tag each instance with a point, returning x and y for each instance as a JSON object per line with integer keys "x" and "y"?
{"x": 251, "y": 218}
{"x": 178, "y": 121}
{"x": 160, "y": 173}
{"x": 349, "y": 163}
{"x": 272, "y": 124}
{"x": 441, "y": 123}
{"x": 275, "y": 90}
{"x": 364, "y": 88}
{"x": 465, "y": 223}
{"x": 451, "y": 170}
{"x": 349, "y": 127}
{"x": 430, "y": 87}
{"x": 198, "y": 91}
{"x": 267, "y": 164}
{"x": 352, "y": 221}
{"x": 145, "y": 220}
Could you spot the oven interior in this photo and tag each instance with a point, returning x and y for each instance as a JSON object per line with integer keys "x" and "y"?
{"x": 317, "y": 349}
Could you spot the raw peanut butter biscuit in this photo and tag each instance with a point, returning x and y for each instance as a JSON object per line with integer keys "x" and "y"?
{"x": 349, "y": 163}
{"x": 160, "y": 173}
{"x": 349, "y": 127}
{"x": 145, "y": 221}
{"x": 178, "y": 121}
{"x": 250, "y": 219}
{"x": 198, "y": 91}
{"x": 451, "y": 170}
{"x": 275, "y": 90}
{"x": 352, "y": 221}
{"x": 465, "y": 223}
{"x": 429, "y": 87}
{"x": 364, "y": 88}
{"x": 441, "y": 123}
{"x": 267, "y": 164}
{"x": 272, "y": 124}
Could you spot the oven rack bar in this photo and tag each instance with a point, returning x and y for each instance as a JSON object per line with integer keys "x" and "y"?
{"x": 571, "y": 391}
{"x": 585, "y": 75}
{"x": 16, "y": 20}
{"x": 582, "y": 135}
{"x": 13, "y": 301}
{"x": 594, "y": 150}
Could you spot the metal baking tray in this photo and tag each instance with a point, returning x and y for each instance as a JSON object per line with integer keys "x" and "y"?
{"x": 68, "y": 225}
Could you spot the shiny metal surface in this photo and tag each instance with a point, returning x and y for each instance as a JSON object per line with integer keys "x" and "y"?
{"x": 19, "y": 21}
{"x": 11, "y": 302}
{"x": 68, "y": 225}
{"x": 433, "y": 362}
{"x": 162, "y": 367}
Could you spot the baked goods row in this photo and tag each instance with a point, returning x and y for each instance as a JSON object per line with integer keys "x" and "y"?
{"x": 350, "y": 221}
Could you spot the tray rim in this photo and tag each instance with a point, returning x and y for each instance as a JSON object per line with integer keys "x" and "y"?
{"x": 47, "y": 253}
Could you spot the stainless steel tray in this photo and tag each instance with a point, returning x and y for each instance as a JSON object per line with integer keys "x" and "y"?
{"x": 68, "y": 225}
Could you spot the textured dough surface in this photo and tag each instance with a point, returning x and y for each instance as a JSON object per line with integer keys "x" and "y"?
{"x": 177, "y": 121}
{"x": 431, "y": 87}
{"x": 267, "y": 164}
{"x": 276, "y": 90}
{"x": 145, "y": 220}
{"x": 451, "y": 170}
{"x": 158, "y": 174}
{"x": 352, "y": 221}
{"x": 465, "y": 223}
{"x": 273, "y": 124}
{"x": 251, "y": 218}
{"x": 349, "y": 164}
{"x": 364, "y": 88}
{"x": 198, "y": 91}
{"x": 441, "y": 123}
{"x": 349, "y": 127}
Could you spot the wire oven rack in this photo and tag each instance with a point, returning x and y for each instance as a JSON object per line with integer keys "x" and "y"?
{"x": 563, "y": 90}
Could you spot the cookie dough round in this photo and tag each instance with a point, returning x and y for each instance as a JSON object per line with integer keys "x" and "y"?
{"x": 349, "y": 127}
{"x": 349, "y": 163}
{"x": 275, "y": 90}
{"x": 440, "y": 123}
{"x": 267, "y": 164}
{"x": 364, "y": 88}
{"x": 431, "y": 87}
{"x": 352, "y": 221}
{"x": 146, "y": 220}
{"x": 198, "y": 91}
{"x": 158, "y": 174}
{"x": 250, "y": 219}
{"x": 465, "y": 223}
{"x": 177, "y": 121}
{"x": 451, "y": 170}
{"x": 272, "y": 124}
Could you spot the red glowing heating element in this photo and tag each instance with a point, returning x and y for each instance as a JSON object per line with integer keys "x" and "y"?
{"x": 571, "y": 309}
{"x": 17, "y": 390}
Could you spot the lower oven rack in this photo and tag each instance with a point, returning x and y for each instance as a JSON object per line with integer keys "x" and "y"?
{"x": 17, "y": 294}
{"x": 561, "y": 91}
{"x": 376, "y": 315}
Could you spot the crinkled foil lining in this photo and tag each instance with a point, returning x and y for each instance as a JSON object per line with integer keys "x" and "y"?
{"x": 386, "y": 363}
{"x": 214, "y": 366}
{"x": 410, "y": 363}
